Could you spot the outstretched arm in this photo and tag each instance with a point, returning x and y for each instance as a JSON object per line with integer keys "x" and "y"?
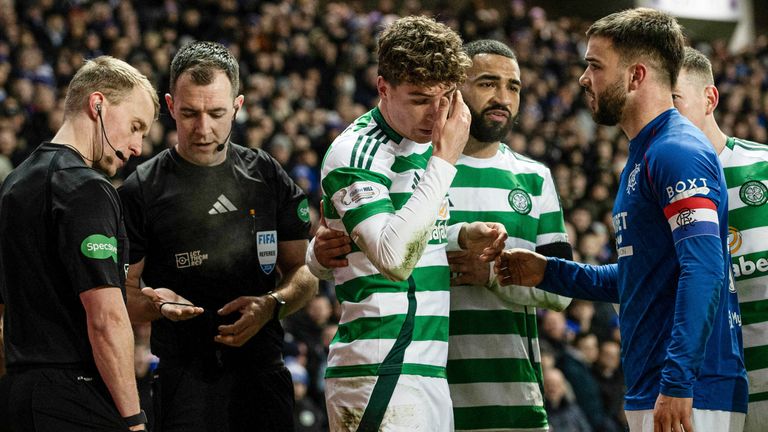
{"x": 584, "y": 281}
{"x": 148, "y": 304}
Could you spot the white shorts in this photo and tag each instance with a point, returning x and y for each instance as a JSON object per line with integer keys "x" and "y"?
{"x": 703, "y": 421}
{"x": 418, "y": 403}
{"x": 757, "y": 417}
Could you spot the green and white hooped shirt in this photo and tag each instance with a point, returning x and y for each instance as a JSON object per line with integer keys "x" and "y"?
{"x": 745, "y": 165}
{"x": 388, "y": 327}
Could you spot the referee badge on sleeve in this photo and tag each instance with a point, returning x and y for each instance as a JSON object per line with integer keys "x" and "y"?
{"x": 266, "y": 247}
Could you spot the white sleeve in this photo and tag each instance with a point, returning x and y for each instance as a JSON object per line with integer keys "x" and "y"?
{"x": 527, "y": 296}
{"x": 314, "y": 265}
{"x": 394, "y": 242}
{"x": 453, "y": 236}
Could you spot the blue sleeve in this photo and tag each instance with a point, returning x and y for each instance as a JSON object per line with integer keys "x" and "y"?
{"x": 583, "y": 281}
{"x": 689, "y": 186}
{"x": 698, "y": 294}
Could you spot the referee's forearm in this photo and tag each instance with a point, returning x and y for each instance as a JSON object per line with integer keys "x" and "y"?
{"x": 140, "y": 307}
{"x": 298, "y": 288}
{"x": 111, "y": 338}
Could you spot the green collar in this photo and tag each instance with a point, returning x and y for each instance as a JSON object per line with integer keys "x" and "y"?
{"x": 391, "y": 134}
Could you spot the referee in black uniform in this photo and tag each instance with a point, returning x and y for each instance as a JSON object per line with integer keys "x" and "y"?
{"x": 218, "y": 233}
{"x": 68, "y": 340}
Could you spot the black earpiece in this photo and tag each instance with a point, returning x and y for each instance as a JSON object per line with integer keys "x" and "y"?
{"x": 118, "y": 153}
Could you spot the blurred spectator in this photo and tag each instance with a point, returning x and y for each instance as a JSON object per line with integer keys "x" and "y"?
{"x": 307, "y": 415}
{"x": 610, "y": 378}
{"x": 562, "y": 411}
{"x": 579, "y": 315}
{"x": 554, "y": 329}
{"x": 586, "y": 344}
{"x": 5, "y": 167}
{"x": 575, "y": 367}
{"x": 308, "y": 326}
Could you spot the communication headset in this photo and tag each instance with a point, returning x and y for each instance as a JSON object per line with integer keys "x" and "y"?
{"x": 221, "y": 146}
{"x": 118, "y": 153}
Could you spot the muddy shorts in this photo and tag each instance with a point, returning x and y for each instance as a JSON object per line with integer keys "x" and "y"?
{"x": 415, "y": 403}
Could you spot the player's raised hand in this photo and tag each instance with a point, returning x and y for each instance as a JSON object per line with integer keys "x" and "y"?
{"x": 450, "y": 130}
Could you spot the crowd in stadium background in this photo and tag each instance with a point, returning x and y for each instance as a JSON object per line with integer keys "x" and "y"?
{"x": 307, "y": 70}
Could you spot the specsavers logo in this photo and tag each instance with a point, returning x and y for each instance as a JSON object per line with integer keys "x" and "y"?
{"x": 303, "y": 210}
{"x": 99, "y": 246}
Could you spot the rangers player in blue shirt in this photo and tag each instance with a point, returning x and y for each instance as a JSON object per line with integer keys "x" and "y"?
{"x": 680, "y": 321}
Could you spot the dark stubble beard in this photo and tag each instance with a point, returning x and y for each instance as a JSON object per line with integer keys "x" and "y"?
{"x": 488, "y": 131}
{"x": 610, "y": 105}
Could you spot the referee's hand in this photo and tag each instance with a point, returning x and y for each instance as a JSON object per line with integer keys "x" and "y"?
{"x": 255, "y": 312}
{"x": 171, "y": 305}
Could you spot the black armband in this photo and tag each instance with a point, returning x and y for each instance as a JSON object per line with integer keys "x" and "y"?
{"x": 556, "y": 250}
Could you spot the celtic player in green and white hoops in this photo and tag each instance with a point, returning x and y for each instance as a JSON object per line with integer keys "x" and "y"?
{"x": 494, "y": 365}
{"x": 385, "y": 180}
{"x": 745, "y": 165}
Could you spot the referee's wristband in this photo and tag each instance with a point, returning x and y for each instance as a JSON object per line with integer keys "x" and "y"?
{"x": 136, "y": 419}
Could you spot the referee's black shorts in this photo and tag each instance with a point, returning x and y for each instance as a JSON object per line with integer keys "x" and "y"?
{"x": 193, "y": 398}
{"x": 56, "y": 400}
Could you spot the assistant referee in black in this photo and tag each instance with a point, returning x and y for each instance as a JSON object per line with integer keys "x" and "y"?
{"x": 63, "y": 262}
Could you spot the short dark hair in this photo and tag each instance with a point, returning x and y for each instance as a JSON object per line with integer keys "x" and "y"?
{"x": 201, "y": 59}
{"x": 418, "y": 50}
{"x": 644, "y": 32}
{"x": 489, "y": 46}
{"x": 695, "y": 62}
